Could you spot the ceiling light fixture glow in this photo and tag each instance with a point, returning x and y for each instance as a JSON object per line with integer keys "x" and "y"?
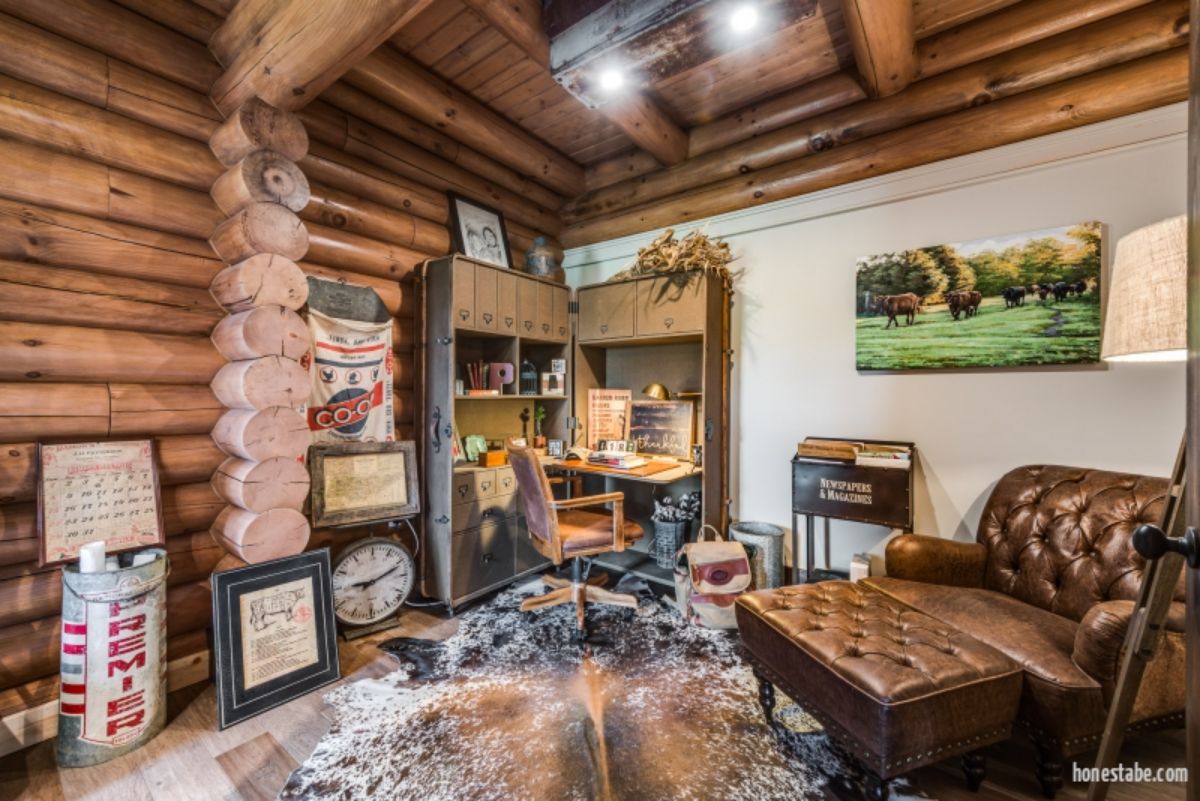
{"x": 744, "y": 18}
{"x": 611, "y": 80}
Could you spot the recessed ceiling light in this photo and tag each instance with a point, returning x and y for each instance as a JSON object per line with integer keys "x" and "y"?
{"x": 743, "y": 18}
{"x": 611, "y": 80}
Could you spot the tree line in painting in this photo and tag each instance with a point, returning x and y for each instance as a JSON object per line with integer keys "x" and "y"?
{"x": 932, "y": 273}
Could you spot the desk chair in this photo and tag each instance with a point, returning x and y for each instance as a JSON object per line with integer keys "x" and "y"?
{"x": 568, "y": 529}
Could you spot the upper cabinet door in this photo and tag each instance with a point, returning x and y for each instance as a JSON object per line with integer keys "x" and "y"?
{"x": 506, "y": 302}
{"x": 485, "y": 298}
{"x": 606, "y": 312}
{"x": 545, "y": 315}
{"x": 527, "y": 308}
{"x": 561, "y": 330}
{"x": 670, "y": 305}
{"x": 464, "y": 294}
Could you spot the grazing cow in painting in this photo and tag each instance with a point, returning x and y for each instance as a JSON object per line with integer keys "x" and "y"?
{"x": 1042, "y": 290}
{"x": 1079, "y": 287}
{"x": 1013, "y": 296}
{"x": 963, "y": 302}
{"x": 1060, "y": 291}
{"x": 907, "y": 304}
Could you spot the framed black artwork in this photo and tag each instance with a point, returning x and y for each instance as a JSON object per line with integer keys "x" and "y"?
{"x": 274, "y": 634}
{"x": 478, "y": 232}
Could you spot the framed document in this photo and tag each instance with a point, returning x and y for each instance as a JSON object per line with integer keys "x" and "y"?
{"x": 92, "y": 491}
{"x": 608, "y": 415}
{"x": 363, "y": 482}
{"x": 274, "y": 634}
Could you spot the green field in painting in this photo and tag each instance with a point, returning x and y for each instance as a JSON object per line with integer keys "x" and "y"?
{"x": 1036, "y": 333}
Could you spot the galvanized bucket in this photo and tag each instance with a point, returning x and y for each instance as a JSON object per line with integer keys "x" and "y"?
{"x": 113, "y": 665}
{"x": 764, "y": 546}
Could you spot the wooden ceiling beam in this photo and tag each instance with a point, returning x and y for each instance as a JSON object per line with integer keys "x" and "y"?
{"x": 520, "y": 21}
{"x": 648, "y": 126}
{"x": 1117, "y": 91}
{"x": 1010, "y": 28}
{"x": 1133, "y": 35}
{"x": 287, "y": 51}
{"x": 397, "y": 80}
{"x": 883, "y": 38}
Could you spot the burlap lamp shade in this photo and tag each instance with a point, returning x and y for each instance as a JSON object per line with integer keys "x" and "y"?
{"x": 1147, "y": 302}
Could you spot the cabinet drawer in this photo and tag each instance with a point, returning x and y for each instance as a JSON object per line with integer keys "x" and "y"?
{"x": 462, "y": 488}
{"x": 463, "y": 298}
{"x": 527, "y": 307}
{"x": 482, "y": 557}
{"x": 485, "y": 298}
{"x": 475, "y": 513}
{"x": 545, "y": 314}
{"x": 606, "y": 312}
{"x": 561, "y": 327}
{"x": 506, "y": 302}
{"x": 485, "y": 484}
{"x": 506, "y": 481}
{"x": 668, "y": 306}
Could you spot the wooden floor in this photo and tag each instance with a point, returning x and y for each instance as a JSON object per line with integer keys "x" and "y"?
{"x": 191, "y": 760}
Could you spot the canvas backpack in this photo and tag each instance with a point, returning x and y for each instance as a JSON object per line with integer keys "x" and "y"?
{"x": 709, "y": 576}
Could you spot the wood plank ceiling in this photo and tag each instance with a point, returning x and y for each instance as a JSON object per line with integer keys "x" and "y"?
{"x": 823, "y": 93}
{"x": 795, "y": 91}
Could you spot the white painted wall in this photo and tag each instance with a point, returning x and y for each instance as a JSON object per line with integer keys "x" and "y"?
{"x": 794, "y": 326}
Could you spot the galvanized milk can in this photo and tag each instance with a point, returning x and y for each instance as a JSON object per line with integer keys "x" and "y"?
{"x": 113, "y": 664}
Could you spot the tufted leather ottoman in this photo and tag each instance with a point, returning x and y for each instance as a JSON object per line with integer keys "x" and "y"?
{"x": 895, "y": 687}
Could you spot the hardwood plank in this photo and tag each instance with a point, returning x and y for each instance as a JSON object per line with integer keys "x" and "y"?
{"x": 934, "y": 16}
{"x": 426, "y": 24}
{"x": 31, "y": 775}
{"x": 258, "y": 768}
{"x": 454, "y": 32}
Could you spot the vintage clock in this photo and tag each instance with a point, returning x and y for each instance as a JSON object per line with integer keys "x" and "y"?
{"x": 371, "y": 581}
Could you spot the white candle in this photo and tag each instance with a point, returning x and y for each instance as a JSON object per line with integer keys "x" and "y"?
{"x": 112, "y": 563}
{"x": 91, "y": 557}
{"x": 144, "y": 558}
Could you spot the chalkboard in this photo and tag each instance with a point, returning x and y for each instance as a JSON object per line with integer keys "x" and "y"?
{"x": 662, "y": 427}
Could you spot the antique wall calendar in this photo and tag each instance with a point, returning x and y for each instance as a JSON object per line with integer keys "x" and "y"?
{"x": 92, "y": 491}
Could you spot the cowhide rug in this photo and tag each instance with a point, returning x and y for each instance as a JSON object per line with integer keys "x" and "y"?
{"x": 508, "y": 708}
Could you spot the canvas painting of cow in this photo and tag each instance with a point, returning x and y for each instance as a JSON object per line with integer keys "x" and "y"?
{"x": 1011, "y": 300}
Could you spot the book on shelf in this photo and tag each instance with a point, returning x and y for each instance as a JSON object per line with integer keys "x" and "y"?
{"x": 619, "y": 459}
{"x": 482, "y": 393}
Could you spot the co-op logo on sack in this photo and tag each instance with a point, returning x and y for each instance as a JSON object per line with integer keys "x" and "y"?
{"x": 353, "y": 379}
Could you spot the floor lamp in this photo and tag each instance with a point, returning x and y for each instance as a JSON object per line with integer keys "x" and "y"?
{"x": 1147, "y": 322}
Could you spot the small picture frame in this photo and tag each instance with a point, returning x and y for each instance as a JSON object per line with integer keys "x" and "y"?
{"x": 554, "y": 447}
{"x": 558, "y": 366}
{"x": 363, "y": 482}
{"x": 554, "y": 383}
{"x": 478, "y": 232}
{"x": 274, "y": 634}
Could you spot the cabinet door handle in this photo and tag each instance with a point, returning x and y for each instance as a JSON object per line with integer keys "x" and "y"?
{"x": 546, "y": 328}
{"x": 562, "y": 330}
{"x": 669, "y": 321}
{"x": 487, "y": 485}
{"x": 603, "y": 328}
{"x": 487, "y": 557}
{"x": 464, "y": 313}
{"x": 437, "y": 429}
{"x": 529, "y": 325}
{"x": 508, "y": 322}
{"x": 487, "y": 318}
{"x": 462, "y": 491}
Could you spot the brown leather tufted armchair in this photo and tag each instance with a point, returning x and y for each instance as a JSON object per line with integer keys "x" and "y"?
{"x": 1051, "y": 583}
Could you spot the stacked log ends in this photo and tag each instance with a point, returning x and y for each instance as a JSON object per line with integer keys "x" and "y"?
{"x": 259, "y": 126}
{"x": 262, "y": 434}
{"x": 263, "y": 384}
{"x": 262, "y": 280}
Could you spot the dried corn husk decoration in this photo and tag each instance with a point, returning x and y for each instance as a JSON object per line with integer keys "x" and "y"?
{"x": 696, "y": 251}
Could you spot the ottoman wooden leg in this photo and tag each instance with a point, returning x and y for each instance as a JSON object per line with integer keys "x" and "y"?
{"x": 1049, "y": 770}
{"x": 877, "y": 788}
{"x": 766, "y": 697}
{"x": 974, "y": 765}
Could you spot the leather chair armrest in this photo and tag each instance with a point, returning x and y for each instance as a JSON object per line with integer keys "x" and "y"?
{"x": 1101, "y": 635}
{"x": 934, "y": 560}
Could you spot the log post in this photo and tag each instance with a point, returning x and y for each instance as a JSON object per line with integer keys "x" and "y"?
{"x": 264, "y": 481}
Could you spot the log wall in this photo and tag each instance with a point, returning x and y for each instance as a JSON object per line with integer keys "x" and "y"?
{"x": 105, "y": 311}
